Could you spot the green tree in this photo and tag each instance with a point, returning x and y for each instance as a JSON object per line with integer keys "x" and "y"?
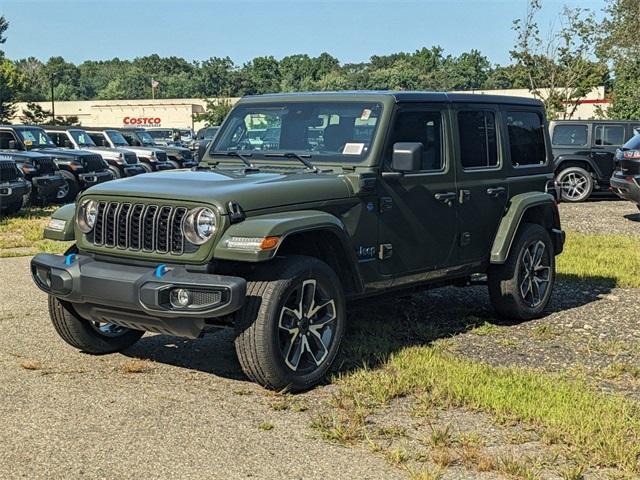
{"x": 4, "y": 26}
{"x": 34, "y": 114}
{"x": 215, "y": 111}
{"x": 11, "y": 82}
{"x": 560, "y": 67}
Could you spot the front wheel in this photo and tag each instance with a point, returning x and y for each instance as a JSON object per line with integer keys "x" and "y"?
{"x": 289, "y": 331}
{"x": 576, "y": 184}
{"x": 92, "y": 337}
{"x": 520, "y": 288}
{"x": 115, "y": 172}
{"x": 147, "y": 168}
{"x": 70, "y": 189}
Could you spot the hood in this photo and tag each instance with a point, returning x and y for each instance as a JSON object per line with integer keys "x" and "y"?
{"x": 105, "y": 151}
{"x": 252, "y": 191}
{"x": 175, "y": 149}
{"x": 144, "y": 151}
{"x": 66, "y": 153}
{"x": 22, "y": 156}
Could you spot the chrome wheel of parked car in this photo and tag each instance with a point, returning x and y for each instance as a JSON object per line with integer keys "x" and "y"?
{"x": 535, "y": 273}
{"x": 63, "y": 191}
{"x": 108, "y": 329}
{"x": 307, "y": 325}
{"x": 576, "y": 184}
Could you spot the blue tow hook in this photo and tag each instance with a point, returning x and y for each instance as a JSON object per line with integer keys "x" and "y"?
{"x": 69, "y": 259}
{"x": 161, "y": 270}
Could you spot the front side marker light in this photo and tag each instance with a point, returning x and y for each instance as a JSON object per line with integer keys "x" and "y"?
{"x": 254, "y": 244}
{"x": 57, "y": 225}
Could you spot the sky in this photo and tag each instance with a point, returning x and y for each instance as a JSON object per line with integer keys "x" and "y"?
{"x": 351, "y": 30}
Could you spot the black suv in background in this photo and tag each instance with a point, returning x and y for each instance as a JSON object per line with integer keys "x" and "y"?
{"x": 14, "y": 188}
{"x": 79, "y": 168}
{"x": 40, "y": 170}
{"x": 625, "y": 181}
{"x": 177, "y": 156}
{"x": 584, "y": 153}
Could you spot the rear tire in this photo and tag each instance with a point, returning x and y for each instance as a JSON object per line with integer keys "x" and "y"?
{"x": 576, "y": 184}
{"x": 69, "y": 191}
{"x": 86, "y": 335}
{"x": 520, "y": 288}
{"x": 289, "y": 331}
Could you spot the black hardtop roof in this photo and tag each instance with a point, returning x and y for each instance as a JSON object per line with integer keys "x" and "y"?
{"x": 404, "y": 97}
{"x": 608, "y": 121}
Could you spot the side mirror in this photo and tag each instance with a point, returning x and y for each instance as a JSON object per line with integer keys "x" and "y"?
{"x": 407, "y": 156}
{"x": 12, "y": 144}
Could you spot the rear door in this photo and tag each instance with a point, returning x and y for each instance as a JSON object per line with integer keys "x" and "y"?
{"x": 482, "y": 190}
{"x": 607, "y": 138}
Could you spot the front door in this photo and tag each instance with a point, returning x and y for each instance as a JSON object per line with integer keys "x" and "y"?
{"x": 418, "y": 222}
{"x": 482, "y": 187}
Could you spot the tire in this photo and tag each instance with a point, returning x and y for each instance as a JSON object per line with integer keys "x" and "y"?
{"x": 68, "y": 192}
{"x": 115, "y": 172}
{"x": 505, "y": 281}
{"x": 147, "y": 167}
{"x": 278, "y": 346}
{"x": 174, "y": 163}
{"x": 576, "y": 184}
{"x": 11, "y": 208}
{"x": 85, "y": 335}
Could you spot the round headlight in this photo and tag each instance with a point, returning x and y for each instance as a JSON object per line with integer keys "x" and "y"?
{"x": 200, "y": 225}
{"x": 87, "y": 215}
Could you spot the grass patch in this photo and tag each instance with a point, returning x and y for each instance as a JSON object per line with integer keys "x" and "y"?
{"x": 22, "y": 234}
{"x": 593, "y": 257}
{"x": 597, "y": 429}
{"x": 137, "y": 365}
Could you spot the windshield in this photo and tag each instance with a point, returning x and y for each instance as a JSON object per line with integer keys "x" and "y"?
{"x": 161, "y": 134}
{"x": 145, "y": 138}
{"x": 345, "y": 130}
{"x": 35, "y": 137}
{"x": 633, "y": 143}
{"x": 82, "y": 138}
{"x": 117, "y": 138}
{"x": 207, "y": 133}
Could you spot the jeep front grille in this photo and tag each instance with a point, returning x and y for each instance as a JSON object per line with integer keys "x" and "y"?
{"x": 8, "y": 171}
{"x": 46, "y": 166}
{"x": 130, "y": 158}
{"x": 93, "y": 163}
{"x": 161, "y": 156}
{"x": 130, "y": 226}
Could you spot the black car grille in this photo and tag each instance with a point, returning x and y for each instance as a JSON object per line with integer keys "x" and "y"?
{"x": 93, "y": 163}
{"x": 186, "y": 154}
{"x": 150, "y": 228}
{"x": 46, "y": 166}
{"x": 161, "y": 156}
{"x": 8, "y": 171}
{"x": 130, "y": 158}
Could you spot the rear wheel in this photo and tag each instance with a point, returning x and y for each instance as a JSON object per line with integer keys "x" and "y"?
{"x": 289, "y": 331}
{"x": 521, "y": 287}
{"x": 70, "y": 189}
{"x": 576, "y": 184}
{"x": 91, "y": 337}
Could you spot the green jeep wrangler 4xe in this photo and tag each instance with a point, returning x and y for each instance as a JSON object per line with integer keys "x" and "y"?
{"x": 303, "y": 203}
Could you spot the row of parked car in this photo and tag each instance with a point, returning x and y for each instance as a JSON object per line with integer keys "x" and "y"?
{"x": 44, "y": 165}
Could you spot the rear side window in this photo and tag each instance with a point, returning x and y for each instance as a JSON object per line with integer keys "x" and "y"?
{"x": 609, "y": 135}
{"x": 526, "y": 138}
{"x": 5, "y": 138}
{"x": 570, "y": 135}
{"x": 478, "y": 139}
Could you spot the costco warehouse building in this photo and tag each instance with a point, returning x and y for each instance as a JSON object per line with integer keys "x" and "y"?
{"x": 180, "y": 113}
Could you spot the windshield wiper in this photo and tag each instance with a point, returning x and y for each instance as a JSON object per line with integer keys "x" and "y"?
{"x": 242, "y": 156}
{"x": 302, "y": 158}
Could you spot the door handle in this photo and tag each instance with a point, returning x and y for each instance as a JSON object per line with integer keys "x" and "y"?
{"x": 446, "y": 198}
{"x": 496, "y": 191}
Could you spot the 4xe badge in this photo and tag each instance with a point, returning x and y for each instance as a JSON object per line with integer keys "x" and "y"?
{"x": 365, "y": 253}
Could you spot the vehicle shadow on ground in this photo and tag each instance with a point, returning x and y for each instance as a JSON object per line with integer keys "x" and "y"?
{"x": 633, "y": 217}
{"x": 376, "y": 328}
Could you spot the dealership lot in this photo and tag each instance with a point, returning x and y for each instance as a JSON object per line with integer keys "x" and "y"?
{"x": 180, "y": 408}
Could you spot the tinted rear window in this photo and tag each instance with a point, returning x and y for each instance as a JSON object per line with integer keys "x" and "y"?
{"x": 609, "y": 135}
{"x": 570, "y": 135}
{"x": 526, "y": 138}
{"x": 478, "y": 142}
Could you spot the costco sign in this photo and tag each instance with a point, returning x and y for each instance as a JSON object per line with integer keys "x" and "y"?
{"x": 149, "y": 121}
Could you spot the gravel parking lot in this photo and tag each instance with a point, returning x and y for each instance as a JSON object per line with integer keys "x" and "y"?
{"x": 171, "y": 408}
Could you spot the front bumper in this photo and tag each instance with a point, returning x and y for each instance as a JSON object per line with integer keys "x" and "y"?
{"x": 47, "y": 187}
{"x": 11, "y": 192}
{"x": 188, "y": 164}
{"x": 94, "y": 178}
{"x": 626, "y": 186}
{"x": 133, "y": 170}
{"x": 134, "y": 296}
{"x": 158, "y": 166}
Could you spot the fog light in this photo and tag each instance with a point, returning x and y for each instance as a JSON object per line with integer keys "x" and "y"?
{"x": 180, "y": 298}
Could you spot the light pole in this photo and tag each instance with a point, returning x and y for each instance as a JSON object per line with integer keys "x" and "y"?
{"x": 53, "y": 101}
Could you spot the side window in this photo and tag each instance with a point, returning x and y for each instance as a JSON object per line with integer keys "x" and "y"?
{"x": 57, "y": 138}
{"x": 526, "y": 138}
{"x": 98, "y": 139}
{"x": 424, "y": 127}
{"x": 609, "y": 135}
{"x": 570, "y": 135}
{"x": 5, "y": 138}
{"x": 478, "y": 139}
